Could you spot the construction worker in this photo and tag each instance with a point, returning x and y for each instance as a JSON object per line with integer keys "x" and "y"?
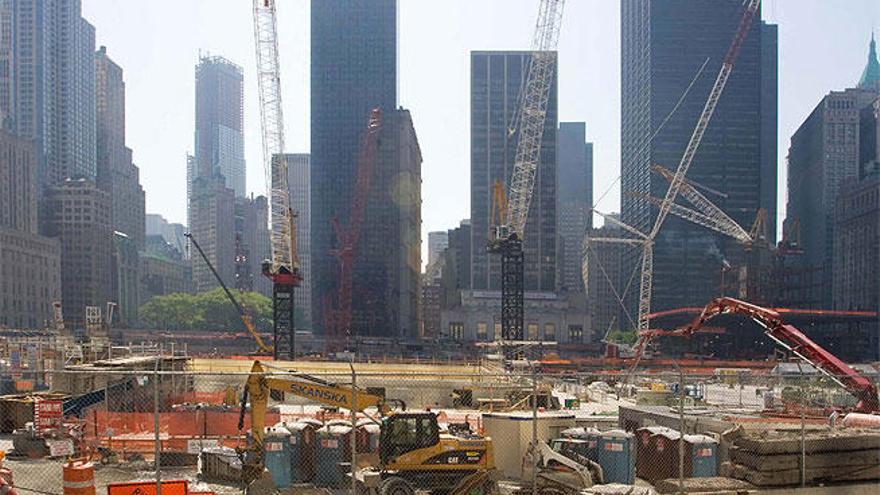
{"x": 5, "y": 478}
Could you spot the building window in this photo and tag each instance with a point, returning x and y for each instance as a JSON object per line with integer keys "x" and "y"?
{"x": 575, "y": 333}
{"x": 550, "y": 331}
{"x": 482, "y": 330}
{"x": 497, "y": 331}
{"x": 456, "y": 330}
{"x": 533, "y": 331}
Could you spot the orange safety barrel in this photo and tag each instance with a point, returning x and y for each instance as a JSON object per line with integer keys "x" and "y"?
{"x": 79, "y": 477}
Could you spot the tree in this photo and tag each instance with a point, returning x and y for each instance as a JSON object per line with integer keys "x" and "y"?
{"x": 205, "y": 311}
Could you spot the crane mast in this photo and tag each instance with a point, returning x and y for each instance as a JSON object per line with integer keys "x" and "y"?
{"x": 647, "y": 272}
{"x": 283, "y": 267}
{"x": 509, "y": 229}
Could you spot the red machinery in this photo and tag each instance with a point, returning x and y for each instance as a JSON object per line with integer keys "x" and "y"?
{"x": 786, "y": 336}
{"x": 338, "y": 318}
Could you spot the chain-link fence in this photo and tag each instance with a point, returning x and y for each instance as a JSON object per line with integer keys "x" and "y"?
{"x": 430, "y": 429}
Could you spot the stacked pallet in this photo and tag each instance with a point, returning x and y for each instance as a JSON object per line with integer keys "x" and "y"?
{"x": 775, "y": 458}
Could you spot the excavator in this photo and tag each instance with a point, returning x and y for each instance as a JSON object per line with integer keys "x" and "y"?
{"x": 413, "y": 451}
{"x": 786, "y": 336}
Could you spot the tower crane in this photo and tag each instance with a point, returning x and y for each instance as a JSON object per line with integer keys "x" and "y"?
{"x": 508, "y": 233}
{"x": 283, "y": 267}
{"x": 677, "y": 183}
{"x": 338, "y": 318}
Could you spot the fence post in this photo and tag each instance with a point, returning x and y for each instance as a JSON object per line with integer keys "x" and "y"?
{"x": 535, "y": 451}
{"x": 157, "y": 448}
{"x": 803, "y": 429}
{"x": 353, "y": 438}
{"x": 680, "y": 429}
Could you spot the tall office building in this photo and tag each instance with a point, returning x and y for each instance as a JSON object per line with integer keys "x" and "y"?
{"x": 574, "y": 190}
{"x": 353, "y": 70}
{"x": 823, "y": 156}
{"x": 116, "y": 173}
{"x": 30, "y": 264}
{"x": 300, "y": 202}
{"x": 437, "y": 243}
{"x": 47, "y": 88}
{"x": 215, "y": 173}
{"x": 496, "y": 81}
{"x": 172, "y": 233}
{"x": 252, "y": 244}
{"x": 601, "y": 275}
{"x": 219, "y": 142}
{"x": 661, "y": 53}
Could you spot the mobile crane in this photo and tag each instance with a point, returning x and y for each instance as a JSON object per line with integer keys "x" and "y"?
{"x": 786, "y": 336}
{"x": 245, "y": 317}
{"x": 413, "y": 452}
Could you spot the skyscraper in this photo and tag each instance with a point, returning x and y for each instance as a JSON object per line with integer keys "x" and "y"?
{"x": 661, "y": 53}
{"x": 48, "y": 86}
{"x": 496, "y": 81}
{"x": 300, "y": 202}
{"x": 575, "y": 200}
{"x": 219, "y": 141}
{"x": 215, "y": 174}
{"x": 353, "y": 70}
{"x": 824, "y": 155}
{"x": 437, "y": 242}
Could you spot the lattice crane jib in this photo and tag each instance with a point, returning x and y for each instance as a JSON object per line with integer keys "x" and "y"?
{"x": 687, "y": 158}
{"x": 272, "y": 120}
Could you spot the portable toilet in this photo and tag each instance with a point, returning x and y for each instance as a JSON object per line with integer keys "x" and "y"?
{"x": 302, "y": 450}
{"x": 333, "y": 452}
{"x": 616, "y": 453}
{"x": 700, "y": 456}
{"x": 589, "y": 435}
{"x": 656, "y": 453}
{"x": 276, "y": 454}
{"x": 371, "y": 433}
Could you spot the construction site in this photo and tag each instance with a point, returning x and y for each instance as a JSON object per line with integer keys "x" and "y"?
{"x": 730, "y": 398}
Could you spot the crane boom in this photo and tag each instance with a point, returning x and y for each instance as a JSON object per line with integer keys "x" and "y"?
{"x": 283, "y": 267}
{"x": 788, "y": 337}
{"x": 533, "y": 112}
{"x": 647, "y": 273}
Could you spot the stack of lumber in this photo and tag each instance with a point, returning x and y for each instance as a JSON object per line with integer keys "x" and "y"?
{"x": 774, "y": 457}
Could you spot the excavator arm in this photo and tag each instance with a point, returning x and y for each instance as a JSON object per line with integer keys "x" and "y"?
{"x": 786, "y": 336}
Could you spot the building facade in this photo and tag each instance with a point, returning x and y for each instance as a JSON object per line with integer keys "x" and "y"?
{"x": 172, "y": 233}
{"x": 213, "y": 226}
{"x": 30, "y": 264}
{"x": 300, "y": 202}
{"x": 81, "y": 220}
{"x": 252, "y": 244}
{"x": 574, "y": 195}
{"x": 164, "y": 270}
{"x": 437, "y": 243}
{"x": 601, "y": 275}
{"x": 48, "y": 86}
{"x": 661, "y": 52}
{"x": 353, "y": 70}
{"x": 856, "y": 264}
{"x": 496, "y": 81}
{"x": 824, "y": 154}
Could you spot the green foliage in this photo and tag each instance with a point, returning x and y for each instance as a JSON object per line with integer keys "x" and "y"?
{"x": 621, "y": 337}
{"x": 210, "y": 310}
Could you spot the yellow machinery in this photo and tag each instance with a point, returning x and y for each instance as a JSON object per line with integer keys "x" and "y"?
{"x": 413, "y": 452}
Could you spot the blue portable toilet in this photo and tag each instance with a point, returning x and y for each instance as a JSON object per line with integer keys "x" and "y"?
{"x": 333, "y": 449}
{"x": 302, "y": 450}
{"x": 615, "y": 452}
{"x": 702, "y": 452}
{"x": 276, "y": 454}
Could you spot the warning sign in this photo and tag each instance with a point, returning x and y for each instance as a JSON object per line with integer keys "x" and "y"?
{"x": 47, "y": 414}
{"x": 147, "y": 488}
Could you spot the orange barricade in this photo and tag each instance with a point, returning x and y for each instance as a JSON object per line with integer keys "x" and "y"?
{"x": 79, "y": 477}
{"x": 177, "y": 487}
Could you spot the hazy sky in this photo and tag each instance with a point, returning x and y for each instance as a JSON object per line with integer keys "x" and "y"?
{"x": 822, "y": 46}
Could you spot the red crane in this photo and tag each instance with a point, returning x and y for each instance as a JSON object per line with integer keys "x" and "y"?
{"x": 786, "y": 336}
{"x": 338, "y": 319}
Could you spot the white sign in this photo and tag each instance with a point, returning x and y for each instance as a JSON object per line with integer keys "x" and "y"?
{"x": 60, "y": 448}
{"x": 196, "y": 446}
{"x": 273, "y": 447}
